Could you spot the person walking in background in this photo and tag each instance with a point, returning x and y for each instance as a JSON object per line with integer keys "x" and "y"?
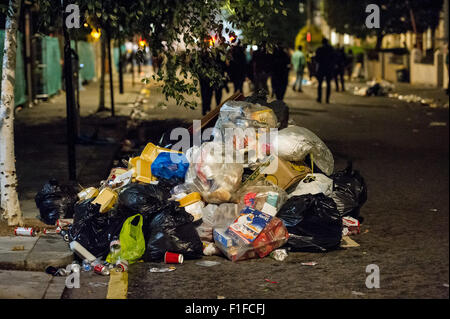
{"x": 349, "y": 64}
{"x": 237, "y": 68}
{"x": 311, "y": 65}
{"x": 261, "y": 68}
{"x": 325, "y": 67}
{"x": 298, "y": 61}
{"x": 280, "y": 71}
{"x": 340, "y": 62}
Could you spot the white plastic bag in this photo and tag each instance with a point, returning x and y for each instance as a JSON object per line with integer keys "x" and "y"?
{"x": 314, "y": 184}
{"x": 294, "y": 143}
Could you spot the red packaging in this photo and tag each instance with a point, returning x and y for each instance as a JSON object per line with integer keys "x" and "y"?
{"x": 273, "y": 236}
{"x": 173, "y": 258}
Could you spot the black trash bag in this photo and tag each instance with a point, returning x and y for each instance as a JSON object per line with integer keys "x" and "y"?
{"x": 55, "y": 201}
{"x": 141, "y": 198}
{"x": 313, "y": 222}
{"x": 95, "y": 230}
{"x": 172, "y": 230}
{"x": 349, "y": 192}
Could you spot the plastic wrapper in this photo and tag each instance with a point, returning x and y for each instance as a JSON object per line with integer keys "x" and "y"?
{"x": 313, "y": 222}
{"x": 294, "y": 143}
{"x": 273, "y": 236}
{"x": 262, "y": 196}
{"x": 350, "y": 192}
{"x": 170, "y": 165}
{"x": 171, "y": 229}
{"x": 55, "y": 201}
{"x": 216, "y": 216}
{"x": 210, "y": 175}
{"x": 314, "y": 184}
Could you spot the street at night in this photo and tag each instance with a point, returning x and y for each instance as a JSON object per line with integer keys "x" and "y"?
{"x": 233, "y": 157}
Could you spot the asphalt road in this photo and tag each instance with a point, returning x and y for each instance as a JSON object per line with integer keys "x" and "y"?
{"x": 405, "y": 232}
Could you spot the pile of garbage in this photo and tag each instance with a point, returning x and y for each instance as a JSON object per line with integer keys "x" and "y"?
{"x": 168, "y": 206}
{"x": 374, "y": 88}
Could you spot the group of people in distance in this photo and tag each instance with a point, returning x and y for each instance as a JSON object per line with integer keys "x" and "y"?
{"x": 258, "y": 66}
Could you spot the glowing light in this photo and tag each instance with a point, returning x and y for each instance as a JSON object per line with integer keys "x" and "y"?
{"x": 142, "y": 43}
{"x": 308, "y": 37}
{"x": 96, "y": 34}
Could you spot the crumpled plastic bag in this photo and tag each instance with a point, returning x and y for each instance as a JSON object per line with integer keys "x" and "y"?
{"x": 350, "y": 192}
{"x": 170, "y": 165}
{"x": 210, "y": 175}
{"x": 171, "y": 230}
{"x": 294, "y": 143}
{"x": 314, "y": 184}
{"x": 55, "y": 201}
{"x": 132, "y": 241}
{"x": 313, "y": 222}
{"x": 263, "y": 196}
{"x": 216, "y": 216}
{"x": 95, "y": 230}
{"x": 239, "y": 114}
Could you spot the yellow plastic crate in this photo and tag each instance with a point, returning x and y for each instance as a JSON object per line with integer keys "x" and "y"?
{"x": 107, "y": 198}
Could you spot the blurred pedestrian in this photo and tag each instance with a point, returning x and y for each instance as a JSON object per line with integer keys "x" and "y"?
{"x": 349, "y": 64}
{"x": 298, "y": 61}
{"x": 311, "y": 64}
{"x": 261, "y": 68}
{"x": 340, "y": 62}
{"x": 208, "y": 60}
{"x": 237, "y": 67}
{"x": 324, "y": 59}
{"x": 280, "y": 71}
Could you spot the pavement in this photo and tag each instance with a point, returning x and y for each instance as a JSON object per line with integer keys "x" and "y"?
{"x": 404, "y": 160}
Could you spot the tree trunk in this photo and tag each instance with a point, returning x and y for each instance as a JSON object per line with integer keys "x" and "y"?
{"x": 9, "y": 199}
{"x": 101, "y": 104}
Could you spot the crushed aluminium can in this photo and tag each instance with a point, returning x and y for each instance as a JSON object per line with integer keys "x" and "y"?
{"x": 101, "y": 270}
{"x": 164, "y": 269}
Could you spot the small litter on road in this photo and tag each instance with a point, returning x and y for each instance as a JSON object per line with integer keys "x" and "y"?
{"x": 163, "y": 269}
{"x": 272, "y": 282}
{"x": 357, "y": 293}
{"x": 207, "y": 263}
{"x": 434, "y": 210}
{"x": 18, "y": 248}
{"x": 437, "y": 124}
{"x": 445, "y": 285}
{"x": 348, "y": 242}
{"x": 310, "y": 263}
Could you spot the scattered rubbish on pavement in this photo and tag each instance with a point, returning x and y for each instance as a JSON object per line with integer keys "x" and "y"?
{"x": 357, "y": 293}
{"x": 163, "y": 269}
{"x": 25, "y": 231}
{"x": 279, "y": 254}
{"x": 207, "y": 263}
{"x": 432, "y": 124}
{"x": 435, "y": 210}
{"x": 445, "y": 285}
{"x": 311, "y": 263}
{"x": 272, "y": 282}
{"x": 348, "y": 242}
{"x": 18, "y": 248}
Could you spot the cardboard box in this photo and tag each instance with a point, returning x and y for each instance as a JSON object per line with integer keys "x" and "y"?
{"x": 282, "y": 173}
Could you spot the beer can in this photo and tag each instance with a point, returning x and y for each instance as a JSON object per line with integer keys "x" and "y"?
{"x": 24, "y": 231}
{"x": 47, "y": 231}
{"x": 122, "y": 265}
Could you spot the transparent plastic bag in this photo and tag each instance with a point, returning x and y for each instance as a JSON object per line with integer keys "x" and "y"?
{"x": 211, "y": 175}
{"x": 314, "y": 184}
{"x": 216, "y": 216}
{"x": 294, "y": 143}
{"x": 273, "y": 236}
{"x": 262, "y": 196}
